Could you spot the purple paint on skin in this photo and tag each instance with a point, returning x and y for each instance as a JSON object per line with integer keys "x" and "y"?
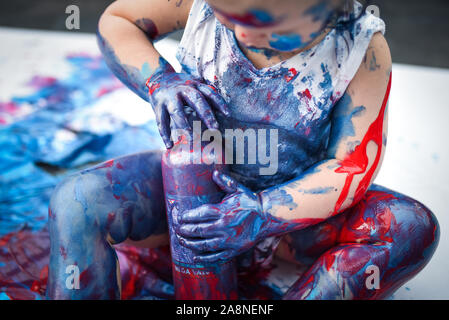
{"x": 148, "y": 27}
{"x": 170, "y": 92}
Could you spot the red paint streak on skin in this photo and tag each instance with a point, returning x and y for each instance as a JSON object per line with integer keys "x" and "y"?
{"x": 308, "y": 130}
{"x": 307, "y": 94}
{"x": 357, "y": 161}
{"x": 291, "y": 74}
{"x": 111, "y": 217}
{"x": 119, "y": 166}
{"x": 4, "y": 241}
{"x": 329, "y": 260}
{"x": 107, "y": 164}
{"x": 243, "y": 35}
{"x": 152, "y": 87}
{"x": 307, "y": 221}
{"x": 386, "y": 218}
{"x": 39, "y": 286}
{"x": 352, "y": 261}
{"x": 109, "y": 176}
{"x": 63, "y": 252}
{"x": 309, "y": 281}
{"x": 361, "y": 230}
{"x": 86, "y": 277}
{"x": 129, "y": 290}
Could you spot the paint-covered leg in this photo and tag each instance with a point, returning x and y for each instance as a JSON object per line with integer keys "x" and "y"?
{"x": 387, "y": 236}
{"x": 91, "y": 210}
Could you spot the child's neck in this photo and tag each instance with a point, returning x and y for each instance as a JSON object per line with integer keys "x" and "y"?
{"x": 265, "y": 58}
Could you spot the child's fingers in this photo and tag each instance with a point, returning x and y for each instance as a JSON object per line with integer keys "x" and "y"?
{"x": 163, "y": 125}
{"x": 225, "y": 182}
{"x": 203, "y": 213}
{"x": 200, "y": 230}
{"x": 216, "y": 99}
{"x": 211, "y": 258}
{"x": 176, "y": 110}
{"x": 196, "y": 101}
{"x": 202, "y": 245}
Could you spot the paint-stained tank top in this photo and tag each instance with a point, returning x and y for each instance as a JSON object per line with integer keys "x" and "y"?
{"x": 295, "y": 97}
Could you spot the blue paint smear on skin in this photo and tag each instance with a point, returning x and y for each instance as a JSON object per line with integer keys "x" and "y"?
{"x": 342, "y": 126}
{"x": 268, "y": 53}
{"x": 262, "y": 15}
{"x": 320, "y": 11}
{"x": 320, "y": 190}
{"x": 129, "y": 75}
{"x": 146, "y": 71}
{"x": 288, "y": 42}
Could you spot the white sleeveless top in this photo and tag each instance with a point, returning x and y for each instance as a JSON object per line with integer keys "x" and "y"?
{"x": 341, "y": 52}
{"x": 295, "y": 96}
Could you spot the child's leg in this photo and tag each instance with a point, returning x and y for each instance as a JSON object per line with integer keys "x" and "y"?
{"x": 100, "y": 206}
{"x": 386, "y": 231}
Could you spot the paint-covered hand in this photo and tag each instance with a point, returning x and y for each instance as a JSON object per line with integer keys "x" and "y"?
{"x": 169, "y": 93}
{"x": 224, "y": 230}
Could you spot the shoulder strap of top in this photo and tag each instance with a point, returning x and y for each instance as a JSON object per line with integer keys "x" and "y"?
{"x": 199, "y": 13}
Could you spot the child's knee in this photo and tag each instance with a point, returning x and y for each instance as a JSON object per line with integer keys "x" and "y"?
{"x": 410, "y": 228}
{"x": 81, "y": 203}
{"x": 420, "y": 225}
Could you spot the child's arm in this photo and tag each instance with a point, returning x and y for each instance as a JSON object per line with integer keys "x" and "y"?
{"x": 355, "y": 153}
{"x": 356, "y": 147}
{"x": 125, "y": 34}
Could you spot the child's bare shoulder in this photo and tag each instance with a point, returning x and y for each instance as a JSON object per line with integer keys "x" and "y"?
{"x": 375, "y": 68}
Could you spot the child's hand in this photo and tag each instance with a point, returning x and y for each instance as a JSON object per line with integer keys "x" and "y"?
{"x": 170, "y": 92}
{"x": 223, "y": 231}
